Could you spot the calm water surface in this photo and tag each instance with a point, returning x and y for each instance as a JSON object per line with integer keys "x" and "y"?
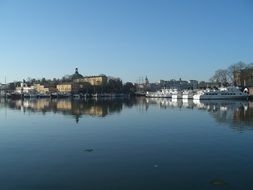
{"x": 154, "y": 144}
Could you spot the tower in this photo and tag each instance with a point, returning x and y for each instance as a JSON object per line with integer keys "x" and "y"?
{"x": 146, "y": 81}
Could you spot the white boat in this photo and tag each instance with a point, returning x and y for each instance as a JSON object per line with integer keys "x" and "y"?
{"x": 176, "y": 94}
{"x": 187, "y": 94}
{"x": 223, "y": 93}
{"x": 163, "y": 93}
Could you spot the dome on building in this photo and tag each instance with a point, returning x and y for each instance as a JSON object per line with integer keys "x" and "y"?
{"x": 76, "y": 75}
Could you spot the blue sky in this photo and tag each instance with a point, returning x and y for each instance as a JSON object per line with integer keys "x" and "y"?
{"x": 162, "y": 39}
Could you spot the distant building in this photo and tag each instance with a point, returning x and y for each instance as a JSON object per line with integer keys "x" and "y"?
{"x": 177, "y": 84}
{"x": 79, "y": 83}
{"x": 65, "y": 87}
{"x": 41, "y": 89}
{"x": 146, "y": 81}
{"x": 70, "y": 87}
{"x": 24, "y": 88}
{"x": 244, "y": 78}
{"x": 202, "y": 84}
{"x": 193, "y": 84}
{"x": 93, "y": 80}
{"x": 161, "y": 82}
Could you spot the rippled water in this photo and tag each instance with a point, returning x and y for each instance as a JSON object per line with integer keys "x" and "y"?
{"x": 123, "y": 144}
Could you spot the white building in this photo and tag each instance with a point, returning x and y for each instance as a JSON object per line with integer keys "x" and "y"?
{"x": 23, "y": 88}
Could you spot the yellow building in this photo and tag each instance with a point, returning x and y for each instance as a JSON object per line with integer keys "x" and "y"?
{"x": 64, "y": 88}
{"x": 93, "y": 80}
{"x": 41, "y": 89}
{"x": 244, "y": 77}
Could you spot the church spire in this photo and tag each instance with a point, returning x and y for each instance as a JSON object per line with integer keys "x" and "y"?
{"x": 146, "y": 80}
{"x": 77, "y": 71}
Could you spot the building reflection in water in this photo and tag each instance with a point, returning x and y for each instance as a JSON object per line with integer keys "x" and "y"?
{"x": 238, "y": 114}
{"x": 75, "y": 108}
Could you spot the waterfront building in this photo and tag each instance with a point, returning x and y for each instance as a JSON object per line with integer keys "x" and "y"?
{"x": 71, "y": 87}
{"x": 65, "y": 87}
{"x": 24, "y": 88}
{"x": 41, "y": 88}
{"x": 244, "y": 78}
{"x": 99, "y": 80}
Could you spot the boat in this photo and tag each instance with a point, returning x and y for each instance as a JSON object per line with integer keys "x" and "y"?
{"x": 54, "y": 95}
{"x": 163, "y": 93}
{"x": 14, "y": 96}
{"x": 222, "y": 93}
{"x": 43, "y": 95}
{"x": 76, "y": 96}
{"x": 177, "y": 94}
{"x": 187, "y": 94}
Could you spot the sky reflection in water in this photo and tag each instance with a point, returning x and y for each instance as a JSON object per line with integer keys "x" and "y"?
{"x": 126, "y": 144}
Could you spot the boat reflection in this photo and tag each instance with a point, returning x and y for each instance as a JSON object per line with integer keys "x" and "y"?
{"x": 238, "y": 114}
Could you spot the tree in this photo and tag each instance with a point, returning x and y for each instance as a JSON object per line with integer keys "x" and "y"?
{"x": 232, "y": 69}
{"x": 43, "y": 80}
{"x": 129, "y": 88}
{"x": 227, "y": 76}
{"x": 221, "y": 76}
{"x": 114, "y": 86}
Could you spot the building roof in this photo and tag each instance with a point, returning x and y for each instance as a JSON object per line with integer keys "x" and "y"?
{"x": 76, "y": 75}
{"x": 95, "y": 76}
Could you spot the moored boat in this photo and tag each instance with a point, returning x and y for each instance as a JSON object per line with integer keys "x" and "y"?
{"x": 163, "y": 93}
{"x": 187, "y": 94}
{"x": 177, "y": 94}
{"x": 222, "y": 93}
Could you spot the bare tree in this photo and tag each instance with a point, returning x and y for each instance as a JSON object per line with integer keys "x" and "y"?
{"x": 221, "y": 76}
{"x": 235, "y": 68}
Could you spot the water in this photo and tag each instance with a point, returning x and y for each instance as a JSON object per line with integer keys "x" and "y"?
{"x": 126, "y": 144}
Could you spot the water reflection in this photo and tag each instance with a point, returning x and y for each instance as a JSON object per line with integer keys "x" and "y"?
{"x": 238, "y": 114}
{"x": 76, "y": 108}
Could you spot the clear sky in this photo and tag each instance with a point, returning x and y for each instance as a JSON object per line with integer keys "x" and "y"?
{"x": 162, "y": 39}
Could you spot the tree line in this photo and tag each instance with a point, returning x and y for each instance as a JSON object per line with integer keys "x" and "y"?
{"x": 226, "y": 77}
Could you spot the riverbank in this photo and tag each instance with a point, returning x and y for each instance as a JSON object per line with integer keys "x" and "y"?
{"x": 16, "y": 96}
